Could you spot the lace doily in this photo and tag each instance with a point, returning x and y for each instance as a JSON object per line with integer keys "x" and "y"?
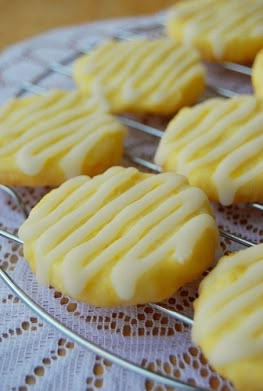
{"x": 34, "y": 355}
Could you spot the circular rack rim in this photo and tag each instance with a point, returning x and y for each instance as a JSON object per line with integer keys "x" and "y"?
{"x": 33, "y": 87}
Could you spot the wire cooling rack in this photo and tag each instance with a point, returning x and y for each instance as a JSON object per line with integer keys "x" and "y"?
{"x": 138, "y": 127}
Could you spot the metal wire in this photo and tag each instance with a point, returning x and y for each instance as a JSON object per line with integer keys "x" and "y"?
{"x": 92, "y": 346}
{"x": 16, "y": 198}
{"x": 174, "y": 314}
{"x": 257, "y": 206}
{"x": 225, "y": 92}
{"x": 237, "y": 239}
{"x": 140, "y": 126}
{"x": 180, "y": 385}
{"x": 10, "y": 236}
{"x": 63, "y": 69}
{"x": 244, "y": 70}
{"x": 34, "y": 87}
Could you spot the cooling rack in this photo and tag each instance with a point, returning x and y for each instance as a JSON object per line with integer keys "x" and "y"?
{"x": 142, "y": 129}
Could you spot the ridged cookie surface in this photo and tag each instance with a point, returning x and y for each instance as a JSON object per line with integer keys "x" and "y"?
{"x": 257, "y": 75}
{"x": 122, "y": 237}
{"x": 47, "y": 139}
{"x": 218, "y": 145}
{"x": 154, "y": 76}
{"x": 228, "y": 321}
{"x": 224, "y": 30}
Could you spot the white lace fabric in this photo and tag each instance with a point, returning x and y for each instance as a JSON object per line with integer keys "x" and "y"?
{"x": 33, "y": 354}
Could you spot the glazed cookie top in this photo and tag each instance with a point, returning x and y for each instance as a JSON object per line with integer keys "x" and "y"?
{"x": 120, "y": 237}
{"x": 228, "y": 320}
{"x": 58, "y": 129}
{"x": 218, "y": 145}
{"x": 222, "y": 30}
{"x": 141, "y": 75}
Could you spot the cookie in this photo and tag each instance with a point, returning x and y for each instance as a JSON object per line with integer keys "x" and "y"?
{"x": 122, "y": 237}
{"x": 141, "y": 76}
{"x": 228, "y": 322}
{"x": 47, "y": 139}
{"x": 257, "y": 75}
{"x": 225, "y": 30}
{"x": 218, "y": 145}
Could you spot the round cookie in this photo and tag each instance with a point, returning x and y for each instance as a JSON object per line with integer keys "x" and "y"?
{"x": 122, "y": 237}
{"x": 218, "y": 146}
{"x": 225, "y": 30}
{"x": 142, "y": 76}
{"x": 49, "y": 138}
{"x": 228, "y": 321}
{"x": 257, "y": 75}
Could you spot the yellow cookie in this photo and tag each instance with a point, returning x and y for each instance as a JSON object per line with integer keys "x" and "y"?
{"x": 222, "y": 30}
{"x": 218, "y": 145}
{"x": 122, "y": 237}
{"x": 47, "y": 139}
{"x": 257, "y": 75}
{"x": 152, "y": 76}
{"x": 228, "y": 320}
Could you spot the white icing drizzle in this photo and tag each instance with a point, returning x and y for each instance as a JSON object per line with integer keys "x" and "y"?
{"x": 57, "y": 125}
{"x": 135, "y": 264}
{"x": 201, "y": 24}
{"x": 226, "y": 184}
{"x": 133, "y": 70}
{"x": 125, "y": 59}
{"x": 229, "y": 134}
{"x": 116, "y": 218}
{"x": 228, "y": 314}
{"x": 219, "y": 22}
{"x": 27, "y": 112}
{"x": 184, "y": 128}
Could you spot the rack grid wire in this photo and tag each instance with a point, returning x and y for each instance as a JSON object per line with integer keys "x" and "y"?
{"x": 140, "y": 128}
